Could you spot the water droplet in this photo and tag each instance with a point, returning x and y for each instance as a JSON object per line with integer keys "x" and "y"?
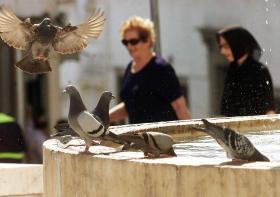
{"x": 266, "y": 1}
{"x": 266, "y": 63}
{"x": 266, "y": 9}
{"x": 270, "y": 50}
{"x": 263, "y": 49}
{"x": 266, "y": 22}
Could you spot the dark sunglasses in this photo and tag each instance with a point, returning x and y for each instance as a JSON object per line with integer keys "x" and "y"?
{"x": 133, "y": 41}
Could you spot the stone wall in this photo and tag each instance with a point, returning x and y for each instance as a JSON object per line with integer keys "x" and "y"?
{"x": 68, "y": 173}
{"x": 22, "y": 180}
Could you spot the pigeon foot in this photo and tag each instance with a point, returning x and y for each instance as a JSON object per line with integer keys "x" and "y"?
{"x": 86, "y": 151}
{"x": 41, "y": 58}
{"x": 94, "y": 142}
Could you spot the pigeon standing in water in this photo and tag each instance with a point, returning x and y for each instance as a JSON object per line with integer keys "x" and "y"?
{"x": 153, "y": 144}
{"x": 40, "y": 41}
{"x": 88, "y": 126}
{"x": 236, "y": 145}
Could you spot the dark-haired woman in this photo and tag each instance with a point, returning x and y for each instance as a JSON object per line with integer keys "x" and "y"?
{"x": 248, "y": 88}
{"x": 150, "y": 90}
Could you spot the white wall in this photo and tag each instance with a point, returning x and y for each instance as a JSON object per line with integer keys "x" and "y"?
{"x": 96, "y": 68}
{"x": 180, "y": 39}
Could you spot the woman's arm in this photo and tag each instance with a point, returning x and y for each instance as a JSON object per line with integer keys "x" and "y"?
{"x": 181, "y": 109}
{"x": 118, "y": 113}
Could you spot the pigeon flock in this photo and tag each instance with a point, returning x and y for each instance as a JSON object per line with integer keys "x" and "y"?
{"x": 94, "y": 126}
{"x": 42, "y": 41}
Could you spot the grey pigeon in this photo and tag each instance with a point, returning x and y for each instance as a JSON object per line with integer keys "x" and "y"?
{"x": 153, "y": 144}
{"x": 43, "y": 40}
{"x": 100, "y": 112}
{"x": 236, "y": 145}
{"x": 88, "y": 126}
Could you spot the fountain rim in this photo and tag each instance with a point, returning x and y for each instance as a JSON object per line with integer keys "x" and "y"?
{"x": 242, "y": 124}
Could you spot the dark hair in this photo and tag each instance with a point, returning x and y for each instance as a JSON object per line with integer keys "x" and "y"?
{"x": 241, "y": 42}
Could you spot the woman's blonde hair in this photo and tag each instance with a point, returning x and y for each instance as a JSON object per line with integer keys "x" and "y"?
{"x": 144, "y": 27}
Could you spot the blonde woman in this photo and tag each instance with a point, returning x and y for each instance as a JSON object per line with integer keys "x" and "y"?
{"x": 150, "y": 90}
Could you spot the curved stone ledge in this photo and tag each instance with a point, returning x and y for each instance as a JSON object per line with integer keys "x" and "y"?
{"x": 184, "y": 127}
{"x": 67, "y": 173}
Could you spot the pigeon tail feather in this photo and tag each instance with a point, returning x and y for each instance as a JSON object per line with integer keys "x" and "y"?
{"x": 33, "y": 66}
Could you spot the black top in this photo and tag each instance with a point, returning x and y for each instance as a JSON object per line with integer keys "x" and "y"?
{"x": 248, "y": 90}
{"x": 148, "y": 93}
{"x": 11, "y": 141}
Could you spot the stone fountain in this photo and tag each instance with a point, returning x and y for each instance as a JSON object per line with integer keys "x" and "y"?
{"x": 67, "y": 173}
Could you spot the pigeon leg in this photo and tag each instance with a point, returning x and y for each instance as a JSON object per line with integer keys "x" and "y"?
{"x": 86, "y": 150}
{"x": 151, "y": 155}
{"x": 41, "y": 58}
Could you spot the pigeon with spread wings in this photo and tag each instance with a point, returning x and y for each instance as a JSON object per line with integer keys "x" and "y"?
{"x": 42, "y": 40}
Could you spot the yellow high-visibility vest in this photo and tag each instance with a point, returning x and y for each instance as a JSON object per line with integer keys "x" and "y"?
{"x": 11, "y": 155}
{"x": 4, "y": 118}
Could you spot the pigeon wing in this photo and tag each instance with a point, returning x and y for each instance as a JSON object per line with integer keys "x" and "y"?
{"x": 243, "y": 146}
{"x": 13, "y": 31}
{"x": 87, "y": 122}
{"x": 72, "y": 39}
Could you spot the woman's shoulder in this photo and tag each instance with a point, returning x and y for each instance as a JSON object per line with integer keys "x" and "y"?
{"x": 159, "y": 63}
{"x": 256, "y": 64}
{"x": 258, "y": 67}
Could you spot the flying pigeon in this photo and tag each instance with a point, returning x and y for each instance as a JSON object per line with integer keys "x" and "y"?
{"x": 87, "y": 125}
{"x": 43, "y": 40}
{"x": 153, "y": 144}
{"x": 236, "y": 145}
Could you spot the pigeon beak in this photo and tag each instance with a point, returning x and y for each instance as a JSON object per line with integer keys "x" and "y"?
{"x": 64, "y": 91}
{"x": 113, "y": 97}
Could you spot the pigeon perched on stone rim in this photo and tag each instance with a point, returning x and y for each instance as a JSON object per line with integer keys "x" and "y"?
{"x": 40, "y": 41}
{"x": 235, "y": 144}
{"x": 100, "y": 112}
{"x": 153, "y": 144}
{"x": 88, "y": 126}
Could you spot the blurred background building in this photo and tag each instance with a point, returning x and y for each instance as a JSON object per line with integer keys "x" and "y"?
{"x": 187, "y": 39}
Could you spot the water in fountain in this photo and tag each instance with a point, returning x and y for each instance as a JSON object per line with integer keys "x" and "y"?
{"x": 204, "y": 148}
